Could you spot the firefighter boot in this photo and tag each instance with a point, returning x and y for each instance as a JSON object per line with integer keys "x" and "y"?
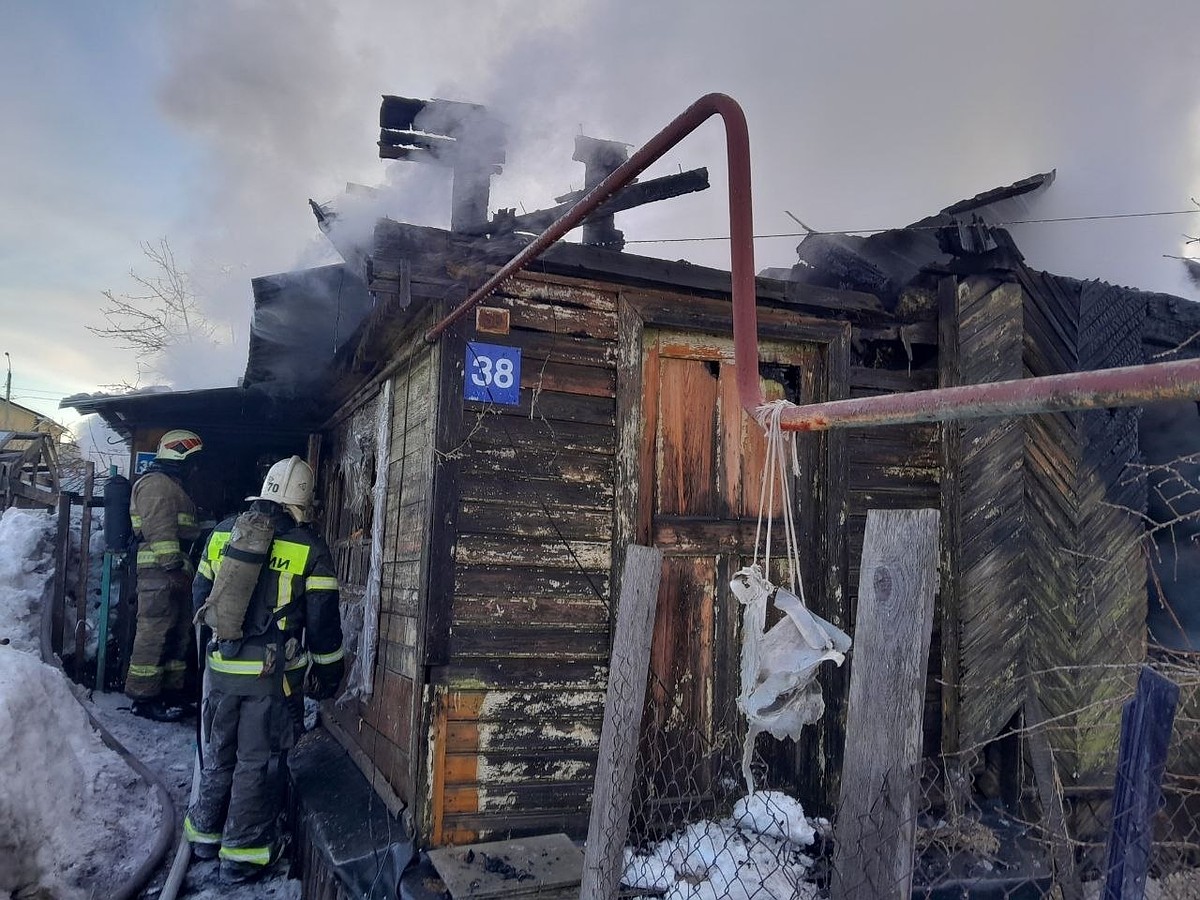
{"x": 157, "y": 710}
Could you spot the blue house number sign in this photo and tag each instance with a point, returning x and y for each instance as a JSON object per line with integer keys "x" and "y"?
{"x": 493, "y": 374}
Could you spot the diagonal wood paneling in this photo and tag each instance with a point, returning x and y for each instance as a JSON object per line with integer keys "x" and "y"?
{"x": 1086, "y": 578}
{"x": 1048, "y": 565}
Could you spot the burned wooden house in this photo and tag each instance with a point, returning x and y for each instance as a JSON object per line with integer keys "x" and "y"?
{"x": 479, "y": 486}
{"x": 589, "y": 403}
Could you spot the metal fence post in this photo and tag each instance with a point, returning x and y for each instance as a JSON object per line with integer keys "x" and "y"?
{"x": 1145, "y": 734}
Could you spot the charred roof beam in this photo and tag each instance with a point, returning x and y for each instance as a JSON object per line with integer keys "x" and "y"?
{"x": 463, "y": 136}
{"x": 600, "y": 159}
{"x": 506, "y": 222}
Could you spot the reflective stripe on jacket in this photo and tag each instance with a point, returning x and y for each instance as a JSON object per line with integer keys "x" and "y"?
{"x": 298, "y": 576}
{"x": 163, "y": 516}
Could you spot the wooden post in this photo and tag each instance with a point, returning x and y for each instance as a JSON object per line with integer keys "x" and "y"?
{"x": 1145, "y": 733}
{"x": 628, "y": 670}
{"x": 85, "y": 560}
{"x": 62, "y": 549}
{"x": 1054, "y": 817}
{"x": 877, "y": 818}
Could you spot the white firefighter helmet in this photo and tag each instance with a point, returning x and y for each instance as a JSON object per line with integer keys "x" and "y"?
{"x": 178, "y": 444}
{"x": 289, "y": 483}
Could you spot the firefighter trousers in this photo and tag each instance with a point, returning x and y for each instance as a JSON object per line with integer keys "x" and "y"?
{"x": 241, "y": 785}
{"x": 158, "y": 659}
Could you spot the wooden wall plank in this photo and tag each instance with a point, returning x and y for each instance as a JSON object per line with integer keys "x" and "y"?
{"x": 877, "y": 812}
{"x": 612, "y": 794}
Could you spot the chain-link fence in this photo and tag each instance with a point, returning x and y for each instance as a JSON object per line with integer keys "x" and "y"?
{"x": 1028, "y": 814}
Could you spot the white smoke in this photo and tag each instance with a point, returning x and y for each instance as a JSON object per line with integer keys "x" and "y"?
{"x": 862, "y": 115}
{"x": 100, "y": 444}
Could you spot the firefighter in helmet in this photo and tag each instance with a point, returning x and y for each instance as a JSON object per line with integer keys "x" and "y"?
{"x": 266, "y": 584}
{"x": 164, "y": 521}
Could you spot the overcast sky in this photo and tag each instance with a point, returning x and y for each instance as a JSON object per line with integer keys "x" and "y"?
{"x": 211, "y": 123}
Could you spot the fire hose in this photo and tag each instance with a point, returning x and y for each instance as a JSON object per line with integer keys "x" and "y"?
{"x": 166, "y": 829}
{"x": 183, "y": 853}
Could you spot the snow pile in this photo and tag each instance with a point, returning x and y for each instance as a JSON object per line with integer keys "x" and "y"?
{"x": 754, "y": 855}
{"x": 26, "y": 569}
{"x": 71, "y": 810}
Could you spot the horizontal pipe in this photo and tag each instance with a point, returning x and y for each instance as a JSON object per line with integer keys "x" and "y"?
{"x": 1130, "y": 386}
{"x": 1127, "y": 386}
{"x": 741, "y": 229}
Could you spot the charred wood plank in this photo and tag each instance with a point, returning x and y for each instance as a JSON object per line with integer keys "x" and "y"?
{"x": 573, "y": 643}
{"x": 539, "y": 436}
{"x": 444, "y": 502}
{"x": 509, "y": 673}
{"x": 877, "y": 813}
{"x": 532, "y": 581}
{"x": 630, "y": 197}
{"x": 503, "y": 517}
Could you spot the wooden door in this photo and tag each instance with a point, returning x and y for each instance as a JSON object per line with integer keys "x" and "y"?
{"x": 703, "y": 465}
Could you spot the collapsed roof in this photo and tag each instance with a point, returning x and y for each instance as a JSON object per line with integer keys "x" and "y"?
{"x": 300, "y": 320}
{"x": 884, "y": 263}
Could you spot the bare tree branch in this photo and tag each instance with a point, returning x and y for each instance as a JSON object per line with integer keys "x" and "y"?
{"x": 160, "y": 312}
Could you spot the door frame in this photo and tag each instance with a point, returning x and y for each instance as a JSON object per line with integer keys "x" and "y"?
{"x": 827, "y": 595}
{"x": 638, "y": 310}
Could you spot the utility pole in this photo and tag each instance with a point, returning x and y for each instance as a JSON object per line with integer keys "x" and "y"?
{"x": 8, "y": 394}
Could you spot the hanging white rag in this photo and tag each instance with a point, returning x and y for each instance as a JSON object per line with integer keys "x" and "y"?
{"x": 779, "y": 694}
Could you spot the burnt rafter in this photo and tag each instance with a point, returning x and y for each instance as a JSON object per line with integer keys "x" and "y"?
{"x": 443, "y": 131}
{"x": 505, "y": 222}
{"x": 462, "y": 136}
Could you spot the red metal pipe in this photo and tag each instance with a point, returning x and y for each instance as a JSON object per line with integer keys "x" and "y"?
{"x": 1128, "y": 386}
{"x": 741, "y": 229}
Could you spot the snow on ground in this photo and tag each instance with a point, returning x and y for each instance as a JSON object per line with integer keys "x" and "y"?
{"x": 61, "y": 786}
{"x": 61, "y": 783}
{"x": 168, "y": 749}
{"x": 26, "y": 569}
{"x": 75, "y": 820}
{"x": 755, "y": 855}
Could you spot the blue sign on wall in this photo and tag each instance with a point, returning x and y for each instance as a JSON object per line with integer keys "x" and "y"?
{"x": 493, "y": 373}
{"x": 142, "y": 461}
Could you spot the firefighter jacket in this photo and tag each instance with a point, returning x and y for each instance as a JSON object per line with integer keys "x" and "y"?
{"x": 292, "y": 619}
{"x": 164, "y": 520}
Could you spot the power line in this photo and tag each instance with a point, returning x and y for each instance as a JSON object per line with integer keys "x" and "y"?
{"x": 860, "y": 231}
{"x": 44, "y": 395}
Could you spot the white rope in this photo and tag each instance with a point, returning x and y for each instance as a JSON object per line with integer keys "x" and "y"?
{"x": 779, "y": 447}
{"x": 778, "y": 665}
{"x": 757, "y": 587}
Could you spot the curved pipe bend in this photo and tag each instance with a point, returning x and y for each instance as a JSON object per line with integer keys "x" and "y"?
{"x": 1077, "y": 390}
{"x": 741, "y": 229}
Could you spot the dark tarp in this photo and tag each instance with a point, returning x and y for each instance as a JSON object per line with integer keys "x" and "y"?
{"x": 359, "y": 841}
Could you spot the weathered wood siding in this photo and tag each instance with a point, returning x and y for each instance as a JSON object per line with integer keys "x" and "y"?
{"x": 532, "y": 504}
{"x": 518, "y": 699}
{"x": 884, "y": 468}
{"x": 383, "y": 727}
{"x": 1048, "y": 568}
{"x": 989, "y": 618}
